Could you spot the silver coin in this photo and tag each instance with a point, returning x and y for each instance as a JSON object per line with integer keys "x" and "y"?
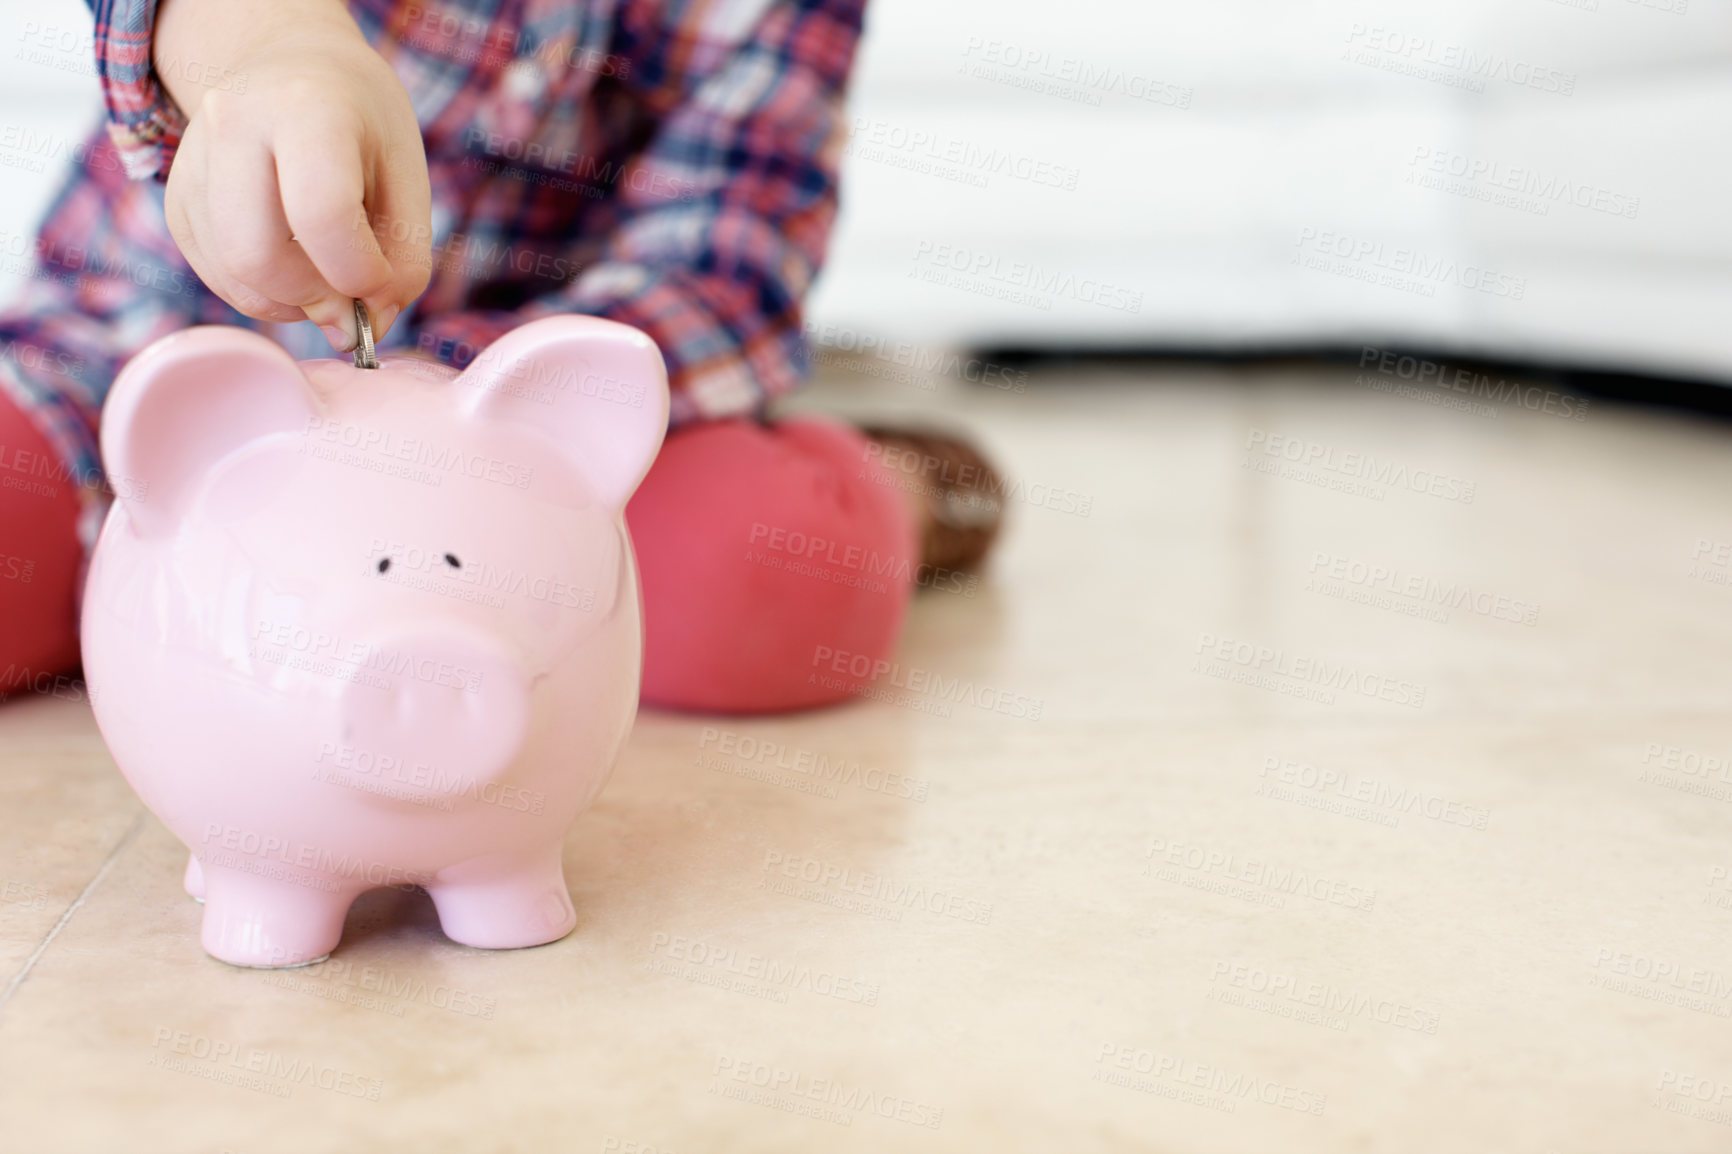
{"x": 366, "y": 356}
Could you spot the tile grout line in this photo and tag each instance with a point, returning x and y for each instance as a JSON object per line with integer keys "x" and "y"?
{"x": 108, "y": 864}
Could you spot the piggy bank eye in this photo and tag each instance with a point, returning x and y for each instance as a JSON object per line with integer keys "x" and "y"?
{"x": 384, "y": 564}
{"x": 451, "y": 560}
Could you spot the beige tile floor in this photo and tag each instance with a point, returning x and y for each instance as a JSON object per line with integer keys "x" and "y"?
{"x": 1476, "y": 898}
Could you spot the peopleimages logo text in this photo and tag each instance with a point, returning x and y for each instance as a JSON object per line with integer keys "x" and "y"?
{"x": 1358, "y": 466}
{"x": 1456, "y": 379}
{"x": 1419, "y": 53}
{"x": 1309, "y": 670}
{"x": 878, "y": 672}
{"x": 1410, "y": 266}
{"x": 1025, "y": 275}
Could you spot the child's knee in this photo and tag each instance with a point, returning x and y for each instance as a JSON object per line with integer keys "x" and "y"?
{"x": 40, "y": 554}
{"x": 764, "y": 549}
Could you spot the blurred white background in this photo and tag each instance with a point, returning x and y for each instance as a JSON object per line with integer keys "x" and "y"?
{"x": 1533, "y": 179}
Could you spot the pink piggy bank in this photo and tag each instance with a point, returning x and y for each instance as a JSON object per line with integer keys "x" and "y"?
{"x": 350, "y": 628}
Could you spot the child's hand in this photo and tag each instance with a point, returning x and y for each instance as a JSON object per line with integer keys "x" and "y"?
{"x": 281, "y": 168}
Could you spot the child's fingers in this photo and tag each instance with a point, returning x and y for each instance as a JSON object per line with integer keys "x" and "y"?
{"x": 249, "y": 228}
{"x": 181, "y": 206}
{"x": 402, "y": 220}
{"x": 323, "y": 191}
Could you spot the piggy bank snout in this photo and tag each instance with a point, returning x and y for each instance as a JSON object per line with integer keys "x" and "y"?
{"x": 438, "y": 706}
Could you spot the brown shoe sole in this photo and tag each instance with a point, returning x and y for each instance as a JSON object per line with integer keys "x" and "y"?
{"x": 964, "y": 494}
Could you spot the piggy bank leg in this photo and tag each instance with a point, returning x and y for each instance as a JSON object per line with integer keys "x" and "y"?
{"x": 505, "y": 901}
{"x": 270, "y": 923}
{"x": 193, "y": 880}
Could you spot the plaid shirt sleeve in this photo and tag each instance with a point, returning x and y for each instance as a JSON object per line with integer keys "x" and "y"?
{"x": 726, "y": 211}
{"x": 143, "y": 122}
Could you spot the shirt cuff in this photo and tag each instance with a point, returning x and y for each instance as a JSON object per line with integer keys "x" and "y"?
{"x": 143, "y": 121}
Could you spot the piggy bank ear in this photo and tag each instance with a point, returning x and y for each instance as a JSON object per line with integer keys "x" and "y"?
{"x": 596, "y": 387}
{"x": 183, "y": 404}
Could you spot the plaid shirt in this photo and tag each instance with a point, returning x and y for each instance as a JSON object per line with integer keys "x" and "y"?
{"x": 666, "y": 163}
